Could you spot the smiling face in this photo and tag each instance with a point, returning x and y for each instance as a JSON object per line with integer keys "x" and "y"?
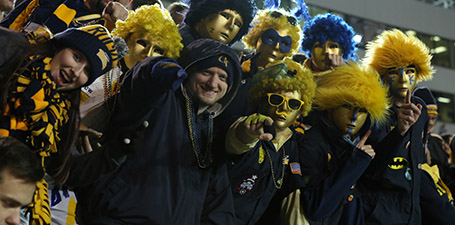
{"x": 14, "y": 193}
{"x": 348, "y": 119}
{"x": 319, "y": 52}
{"x": 207, "y": 86}
{"x": 400, "y": 80}
{"x": 273, "y": 45}
{"x": 70, "y": 69}
{"x": 141, "y": 46}
{"x": 222, "y": 26}
{"x": 283, "y": 116}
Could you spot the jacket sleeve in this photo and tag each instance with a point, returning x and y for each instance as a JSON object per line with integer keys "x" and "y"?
{"x": 148, "y": 80}
{"x": 324, "y": 195}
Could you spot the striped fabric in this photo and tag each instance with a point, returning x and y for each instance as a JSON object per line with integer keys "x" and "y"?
{"x": 35, "y": 114}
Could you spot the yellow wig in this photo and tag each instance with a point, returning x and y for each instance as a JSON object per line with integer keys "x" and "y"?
{"x": 301, "y": 82}
{"x": 265, "y": 21}
{"x": 393, "y": 48}
{"x": 157, "y": 23}
{"x": 354, "y": 85}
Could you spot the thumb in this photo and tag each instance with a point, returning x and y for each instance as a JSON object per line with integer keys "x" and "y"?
{"x": 419, "y": 106}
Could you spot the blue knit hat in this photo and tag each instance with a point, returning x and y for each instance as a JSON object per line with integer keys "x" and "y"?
{"x": 96, "y": 43}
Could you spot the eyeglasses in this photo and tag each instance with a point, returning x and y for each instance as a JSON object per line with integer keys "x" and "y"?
{"x": 278, "y": 99}
{"x": 291, "y": 20}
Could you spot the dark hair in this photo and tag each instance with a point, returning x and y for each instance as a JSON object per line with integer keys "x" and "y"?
{"x": 177, "y": 7}
{"x": 59, "y": 169}
{"x": 200, "y": 9}
{"x": 138, "y": 3}
{"x": 19, "y": 160}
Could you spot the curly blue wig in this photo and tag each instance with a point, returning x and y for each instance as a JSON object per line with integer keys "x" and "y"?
{"x": 329, "y": 27}
{"x": 200, "y": 9}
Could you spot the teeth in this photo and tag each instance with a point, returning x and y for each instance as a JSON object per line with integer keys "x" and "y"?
{"x": 65, "y": 77}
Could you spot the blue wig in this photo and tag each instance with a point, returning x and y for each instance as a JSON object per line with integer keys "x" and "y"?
{"x": 329, "y": 27}
{"x": 200, "y": 9}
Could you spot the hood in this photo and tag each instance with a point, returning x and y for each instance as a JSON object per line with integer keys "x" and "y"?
{"x": 202, "y": 49}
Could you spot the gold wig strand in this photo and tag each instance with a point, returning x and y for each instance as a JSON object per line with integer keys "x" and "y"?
{"x": 264, "y": 21}
{"x": 393, "y": 48}
{"x": 155, "y": 22}
{"x": 302, "y": 82}
{"x": 354, "y": 85}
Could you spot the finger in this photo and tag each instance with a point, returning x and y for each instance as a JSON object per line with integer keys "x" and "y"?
{"x": 266, "y": 137}
{"x": 419, "y": 106}
{"x": 86, "y": 143}
{"x": 240, "y": 56}
{"x": 364, "y": 139}
{"x": 268, "y": 121}
{"x": 408, "y": 96}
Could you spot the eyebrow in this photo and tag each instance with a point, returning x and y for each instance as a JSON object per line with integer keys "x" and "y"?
{"x": 11, "y": 202}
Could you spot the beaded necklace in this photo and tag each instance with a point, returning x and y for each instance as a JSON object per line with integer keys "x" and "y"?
{"x": 278, "y": 183}
{"x": 206, "y": 159}
{"x": 108, "y": 92}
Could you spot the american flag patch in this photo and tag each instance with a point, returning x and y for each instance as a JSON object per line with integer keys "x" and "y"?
{"x": 295, "y": 168}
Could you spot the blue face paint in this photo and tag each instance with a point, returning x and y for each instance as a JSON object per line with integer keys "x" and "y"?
{"x": 353, "y": 119}
{"x": 411, "y": 79}
{"x": 271, "y": 37}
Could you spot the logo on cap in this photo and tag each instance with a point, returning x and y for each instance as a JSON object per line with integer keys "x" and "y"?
{"x": 104, "y": 58}
{"x": 224, "y": 60}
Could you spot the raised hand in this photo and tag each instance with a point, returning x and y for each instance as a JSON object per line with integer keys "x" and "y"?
{"x": 114, "y": 11}
{"x": 408, "y": 114}
{"x": 366, "y": 148}
{"x": 254, "y": 125}
{"x": 333, "y": 60}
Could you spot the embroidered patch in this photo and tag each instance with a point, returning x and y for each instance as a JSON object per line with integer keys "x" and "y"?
{"x": 247, "y": 185}
{"x": 398, "y": 163}
{"x": 295, "y": 168}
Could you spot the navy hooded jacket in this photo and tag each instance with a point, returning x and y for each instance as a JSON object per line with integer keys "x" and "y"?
{"x": 161, "y": 182}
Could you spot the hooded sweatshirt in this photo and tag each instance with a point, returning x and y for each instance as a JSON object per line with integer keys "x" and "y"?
{"x": 166, "y": 179}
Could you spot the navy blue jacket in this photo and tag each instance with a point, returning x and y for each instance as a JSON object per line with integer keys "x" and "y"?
{"x": 161, "y": 182}
{"x": 252, "y": 182}
{"x": 391, "y": 186}
{"x": 332, "y": 164}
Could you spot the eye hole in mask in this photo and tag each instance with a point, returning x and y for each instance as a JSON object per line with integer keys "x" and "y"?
{"x": 271, "y": 37}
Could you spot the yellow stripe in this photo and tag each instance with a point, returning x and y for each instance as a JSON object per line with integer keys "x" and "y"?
{"x": 20, "y": 20}
{"x": 65, "y": 14}
{"x": 71, "y": 219}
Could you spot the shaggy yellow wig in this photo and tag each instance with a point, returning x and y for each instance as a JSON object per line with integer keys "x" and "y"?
{"x": 265, "y": 21}
{"x": 157, "y": 23}
{"x": 354, "y": 85}
{"x": 301, "y": 82}
{"x": 393, "y": 48}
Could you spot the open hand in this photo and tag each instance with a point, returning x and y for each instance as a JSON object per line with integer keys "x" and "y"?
{"x": 254, "y": 125}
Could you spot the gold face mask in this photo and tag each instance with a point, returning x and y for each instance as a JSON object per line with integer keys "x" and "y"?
{"x": 285, "y": 112}
{"x": 319, "y": 52}
{"x": 348, "y": 119}
{"x": 400, "y": 80}
{"x": 222, "y": 26}
{"x": 141, "y": 46}
{"x": 271, "y": 53}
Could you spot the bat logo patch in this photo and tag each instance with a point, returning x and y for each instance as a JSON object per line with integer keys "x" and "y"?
{"x": 398, "y": 163}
